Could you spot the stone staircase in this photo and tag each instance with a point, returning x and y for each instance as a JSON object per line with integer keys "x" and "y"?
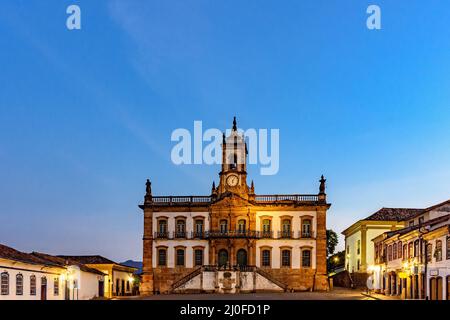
{"x": 271, "y": 278}
{"x": 186, "y": 278}
{"x": 228, "y": 280}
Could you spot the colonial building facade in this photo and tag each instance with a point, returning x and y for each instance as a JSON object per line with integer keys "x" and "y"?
{"x": 359, "y": 253}
{"x": 234, "y": 240}
{"x": 39, "y": 276}
{"x": 414, "y": 262}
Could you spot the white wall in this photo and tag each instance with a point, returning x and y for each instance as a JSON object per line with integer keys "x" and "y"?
{"x": 295, "y": 223}
{"x": 189, "y": 252}
{"x": 351, "y": 255}
{"x": 439, "y": 268}
{"x": 126, "y": 277}
{"x": 89, "y": 285}
{"x": 27, "y": 270}
{"x": 295, "y": 252}
{"x": 171, "y": 220}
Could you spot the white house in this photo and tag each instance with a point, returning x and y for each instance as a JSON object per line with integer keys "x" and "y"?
{"x": 119, "y": 279}
{"x": 37, "y": 276}
{"x": 359, "y": 253}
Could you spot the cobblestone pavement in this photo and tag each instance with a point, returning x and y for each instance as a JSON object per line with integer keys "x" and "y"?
{"x": 336, "y": 294}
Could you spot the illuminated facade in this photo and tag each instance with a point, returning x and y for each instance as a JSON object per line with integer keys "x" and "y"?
{"x": 38, "y": 276}
{"x": 279, "y": 241}
{"x": 414, "y": 262}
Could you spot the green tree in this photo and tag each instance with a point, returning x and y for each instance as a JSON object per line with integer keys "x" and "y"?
{"x": 332, "y": 241}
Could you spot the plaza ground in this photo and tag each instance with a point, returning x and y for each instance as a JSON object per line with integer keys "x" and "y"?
{"x": 335, "y": 294}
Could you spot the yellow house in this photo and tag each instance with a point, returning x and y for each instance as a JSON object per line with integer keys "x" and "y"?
{"x": 359, "y": 248}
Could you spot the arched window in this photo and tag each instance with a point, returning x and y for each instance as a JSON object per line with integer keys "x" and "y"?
{"x": 306, "y": 228}
{"x": 394, "y": 251}
{"x": 223, "y": 257}
{"x": 5, "y": 283}
{"x": 448, "y": 254}
{"x": 429, "y": 252}
{"x": 223, "y": 226}
{"x": 180, "y": 257}
{"x": 399, "y": 250}
{"x": 405, "y": 251}
{"x": 286, "y": 228}
{"x": 19, "y": 284}
{"x": 162, "y": 257}
{"x": 265, "y": 259}
{"x": 306, "y": 258}
{"x": 56, "y": 286}
{"x": 438, "y": 253}
{"x": 162, "y": 228}
{"x": 181, "y": 228}
{"x": 241, "y": 257}
{"x": 199, "y": 228}
{"x": 389, "y": 252}
{"x": 286, "y": 258}
{"x": 267, "y": 228}
{"x": 198, "y": 257}
{"x": 410, "y": 250}
{"x": 416, "y": 248}
{"x": 376, "y": 251}
{"x": 241, "y": 226}
{"x": 32, "y": 285}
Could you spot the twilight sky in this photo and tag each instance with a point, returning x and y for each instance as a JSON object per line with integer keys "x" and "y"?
{"x": 86, "y": 116}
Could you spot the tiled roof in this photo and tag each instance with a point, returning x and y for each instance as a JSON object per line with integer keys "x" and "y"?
{"x": 433, "y": 207}
{"x": 13, "y": 254}
{"x": 96, "y": 259}
{"x": 66, "y": 262}
{"x": 38, "y": 258}
{"x": 431, "y": 222}
{"x": 393, "y": 214}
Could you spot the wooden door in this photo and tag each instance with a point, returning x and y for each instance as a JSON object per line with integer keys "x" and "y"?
{"x": 433, "y": 289}
{"x": 448, "y": 287}
{"x": 43, "y": 288}
{"x": 439, "y": 288}
{"x": 101, "y": 288}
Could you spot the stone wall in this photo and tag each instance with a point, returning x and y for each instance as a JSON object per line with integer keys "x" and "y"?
{"x": 165, "y": 277}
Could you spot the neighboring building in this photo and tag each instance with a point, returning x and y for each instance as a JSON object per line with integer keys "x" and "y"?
{"x": 233, "y": 240}
{"x": 414, "y": 262}
{"x": 119, "y": 278}
{"x": 358, "y": 237}
{"x": 38, "y": 276}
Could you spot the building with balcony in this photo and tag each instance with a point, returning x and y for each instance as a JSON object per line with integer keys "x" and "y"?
{"x": 359, "y": 253}
{"x": 414, "y": 262}
{"x": 216, "y": 243}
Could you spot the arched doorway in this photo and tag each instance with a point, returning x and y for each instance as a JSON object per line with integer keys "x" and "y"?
{"x": 223, "y": 257}
{"x": 241, "y": 257}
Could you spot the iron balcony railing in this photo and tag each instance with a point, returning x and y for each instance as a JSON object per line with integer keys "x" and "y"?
{"x": 202, "y": 200}
{"x": 214, "y": 234}
{"x": 287, "y": 197}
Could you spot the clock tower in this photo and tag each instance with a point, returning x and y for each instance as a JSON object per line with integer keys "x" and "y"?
{"x": 233, "y": 176}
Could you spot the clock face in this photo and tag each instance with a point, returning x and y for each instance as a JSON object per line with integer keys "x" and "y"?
{"x": 232, "y": 180}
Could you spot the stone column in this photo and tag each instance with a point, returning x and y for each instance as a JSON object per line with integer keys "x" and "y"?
{"x": 363, "y": 265}
{"x": 212, "y": 253}
{"x": 147, "y": 285}
{"x": 321, "y": 279}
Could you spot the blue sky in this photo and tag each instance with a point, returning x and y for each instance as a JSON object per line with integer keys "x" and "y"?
{"x": 86, "y": 116}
